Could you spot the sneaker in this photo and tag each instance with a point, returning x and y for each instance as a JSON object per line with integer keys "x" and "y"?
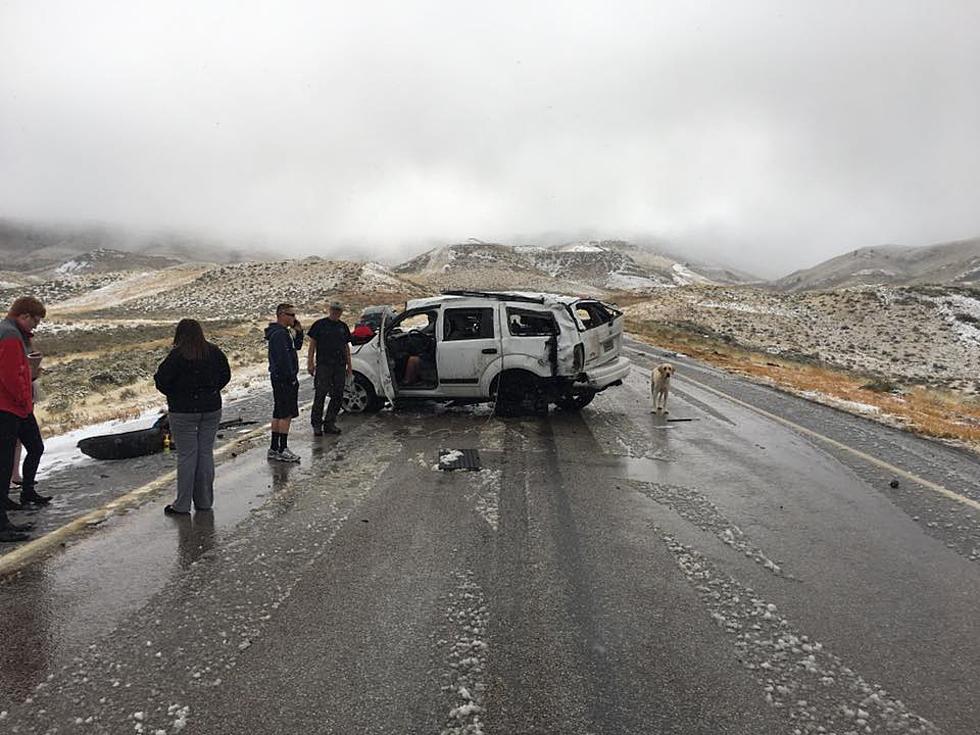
{"x": 332, "y": 429}
{"x": 287, "y": 455}
{"x": 273, "y": 454}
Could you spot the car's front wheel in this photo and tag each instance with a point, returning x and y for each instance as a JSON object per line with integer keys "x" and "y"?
{"x": 361, "y": 398}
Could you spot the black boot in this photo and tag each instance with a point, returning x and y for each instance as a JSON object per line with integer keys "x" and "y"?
{"x": 11, "y": 532}
{"x": 29, "y": 495}
{"x": 10, "y": 504}
{"x": 331, "y": 429}
{"x": 9, "y": 536}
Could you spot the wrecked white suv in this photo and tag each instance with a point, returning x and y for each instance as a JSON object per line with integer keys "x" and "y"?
{"x": 522, "y": 351}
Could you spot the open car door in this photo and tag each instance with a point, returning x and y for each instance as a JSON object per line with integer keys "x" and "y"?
{"x": 384, "y": 368}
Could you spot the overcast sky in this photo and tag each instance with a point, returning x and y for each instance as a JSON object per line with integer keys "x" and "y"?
{"x": 763, "y": 134}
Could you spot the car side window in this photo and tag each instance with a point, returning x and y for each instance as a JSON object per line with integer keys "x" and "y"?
{"x": 423, "y": 321}
{"x": 592, "y": 314}
{"x": 527, "y": 323}
{"x": 460, "y": 324}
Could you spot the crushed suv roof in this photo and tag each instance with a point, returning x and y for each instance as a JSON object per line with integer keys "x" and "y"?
{"x": 506, "y": 296}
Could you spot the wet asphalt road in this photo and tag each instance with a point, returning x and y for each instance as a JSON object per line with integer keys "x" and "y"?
{"x": 608, "y": 572}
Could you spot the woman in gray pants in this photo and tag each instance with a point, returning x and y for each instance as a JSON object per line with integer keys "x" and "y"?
{"x": 191, "y": 377}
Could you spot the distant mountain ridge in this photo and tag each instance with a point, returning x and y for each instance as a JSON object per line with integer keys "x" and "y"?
{"x": 28, "y": 247}
{"x": 593, "y": 265}
{"x": 954, "y": 263}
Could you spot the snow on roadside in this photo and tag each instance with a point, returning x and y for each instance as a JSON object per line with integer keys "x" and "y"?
{"x": 61, "y": 451}
{"x": 842, "y": 403}
{"x": 468, "y": 617}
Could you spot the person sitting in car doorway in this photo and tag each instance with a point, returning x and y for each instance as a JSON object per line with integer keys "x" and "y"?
{"x": 328, "y": 361}
{"x": 413, "y": 360}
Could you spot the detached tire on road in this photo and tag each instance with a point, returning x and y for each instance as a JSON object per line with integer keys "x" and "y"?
{"x": 575, "y": 402}
{"x": 361, "y": 398}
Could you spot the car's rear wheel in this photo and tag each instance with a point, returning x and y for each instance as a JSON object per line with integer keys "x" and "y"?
{"x": 576, "y": 401}
{"x": 519, "y": 393}
{"x": 361, "y": 398}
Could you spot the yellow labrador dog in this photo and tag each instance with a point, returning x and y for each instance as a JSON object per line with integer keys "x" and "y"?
{"x": 660, "y": 386}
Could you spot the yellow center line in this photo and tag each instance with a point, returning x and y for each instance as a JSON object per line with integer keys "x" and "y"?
{"x": 934, "y": 486}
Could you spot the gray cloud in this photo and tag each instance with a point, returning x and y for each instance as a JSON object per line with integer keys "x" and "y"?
{"x": 768, "y": 135}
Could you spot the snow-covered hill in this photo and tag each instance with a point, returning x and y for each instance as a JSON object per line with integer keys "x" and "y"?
{"x": 950, "y": 264}
{"x": 591, "y": 266}
{"x": 922, "y": 334}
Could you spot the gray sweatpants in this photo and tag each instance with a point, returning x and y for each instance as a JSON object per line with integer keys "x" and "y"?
{"x": 194, "y": 435}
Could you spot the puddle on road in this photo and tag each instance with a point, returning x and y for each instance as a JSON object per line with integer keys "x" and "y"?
{"x": 70, "y": 597}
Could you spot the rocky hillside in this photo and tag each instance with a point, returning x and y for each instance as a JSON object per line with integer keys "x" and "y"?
{"x": 592, "y": 267}
{"x": 239, "y": 290}
{"x": 921, "y": 335}
{"x": 953, "y": 264}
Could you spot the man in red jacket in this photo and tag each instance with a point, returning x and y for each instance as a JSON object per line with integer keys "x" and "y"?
{"x": 17, "y": 408}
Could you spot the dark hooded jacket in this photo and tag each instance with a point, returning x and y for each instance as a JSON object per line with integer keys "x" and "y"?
{"x": 283, "y": 357}
{"x": 193, "y": 386}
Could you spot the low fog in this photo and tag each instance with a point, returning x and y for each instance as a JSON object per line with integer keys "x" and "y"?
{"x": 765, "y": 135}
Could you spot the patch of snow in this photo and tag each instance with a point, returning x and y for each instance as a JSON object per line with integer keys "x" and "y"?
{"x": 62, "y": 451}
{"x": 854, "y": 406}
{"x": 627, "y": 282}
{"x": 449, "y": 457}
{"x": 71, "y": 266}
{"x": 874, "y": 272}
{"x": 684, "y": 276}
{"x": 744, "y": 308}
{"x": 581, "y": 247}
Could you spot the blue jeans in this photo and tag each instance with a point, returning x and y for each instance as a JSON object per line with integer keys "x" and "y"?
{"x": 194, "y": 435}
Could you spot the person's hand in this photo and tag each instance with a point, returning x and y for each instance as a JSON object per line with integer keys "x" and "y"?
{"x": 296, "y": 325}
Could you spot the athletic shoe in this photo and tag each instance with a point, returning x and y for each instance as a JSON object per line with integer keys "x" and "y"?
{"x": 287, "y": 455}
{"x": 273, "y": 454}
{"x": 171, "y": 511}
{"x": 332, "y": 429}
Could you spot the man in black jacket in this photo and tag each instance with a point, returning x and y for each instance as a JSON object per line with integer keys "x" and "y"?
{"x": 284, "y": 373}
{"x": 328, "y": 361}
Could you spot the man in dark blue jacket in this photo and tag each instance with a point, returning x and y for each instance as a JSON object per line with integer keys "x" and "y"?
{"x": 285, "y": 337}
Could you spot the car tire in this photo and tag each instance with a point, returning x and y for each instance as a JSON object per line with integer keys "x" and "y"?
{"x": 518, "y": 393}
{"x": 575, "y": 402}
{"x": 362, "y": 397}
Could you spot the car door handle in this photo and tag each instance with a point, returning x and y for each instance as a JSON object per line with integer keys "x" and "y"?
{"x": 490, "y": 351}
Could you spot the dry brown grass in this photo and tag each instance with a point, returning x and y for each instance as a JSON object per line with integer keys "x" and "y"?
{"x": 926, "y": 411}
